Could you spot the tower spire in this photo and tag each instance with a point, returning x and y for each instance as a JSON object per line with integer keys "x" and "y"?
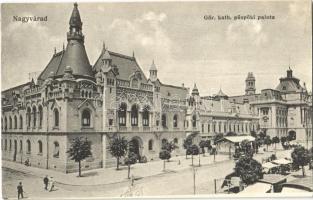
{"x": 76, "y": 24}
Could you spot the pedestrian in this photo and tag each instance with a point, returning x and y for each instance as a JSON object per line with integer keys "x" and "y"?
{"x": 46, "y": 181}
{"x": 20, "y": 191}
{"x": 51, "y": 184}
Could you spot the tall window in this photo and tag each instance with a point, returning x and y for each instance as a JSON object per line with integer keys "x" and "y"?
{"x": 86, "y": 118}
{"x": 10, "y": 147}
{"x": 209, "y": 128}
{"x": 150, "y": 145}
{"x": 21, "y": 146}
{"x": 56, "y": 117}
{"x": 39, "y": 147}
{"x": 56, "y": 151}
{"x": 5, "y": 123}
{"x": 175, "y": 121}
{"x": 28, "y": 116}
{"x": 21, "y": 122}
{"x": 194, "y": 121}
{"x": 15, "y": 122}
{"x": 5, "y": 144}
{"x": 134, "y": 115}
{"x": 145, "y": 117}
{"x": 40, "y": 115}
{"x": 122, "y": 114}
{"x": 34, "y": 116}
{"x": 164, "y": 121}
{"x": 29, "y": 148}
{"x": 10, "y": 122}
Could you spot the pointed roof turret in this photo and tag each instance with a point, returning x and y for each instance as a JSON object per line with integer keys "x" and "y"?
{"x": 75, "y": 20}
{"x": 195, "y": 91}
{"x": 153, "y": 67}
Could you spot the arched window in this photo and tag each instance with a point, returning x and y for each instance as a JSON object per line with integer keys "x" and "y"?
{"x": 15, "y": 122}
{"x": 194, "y": 121}
{"x": 29, "y": 148}
{"x": 89, "y": 94}
{"x": 5, "y": 123}
{"x": 164, "y": 142}
{"x": 21, "y": 146}
{"x": 209, "y": 128}
{"x": 5, "y": 144}
{"x": 10, "y": 147}
{"x": 21, "y": 122}
{"x": 34, "y": 116}
{"x": 28, "y": 117}
{"x": 134, "y": 83}
{"x": 86, "y": 118}
{"x": 56, "y": 150}
{"x": 219, "y": 127}
{"x": 83, "y": 93}
{"x": 164, "y": 123}
{"x": 175, "y": 141}
{"x": 40, "y": 115}
{"x": 10, "y": 122}
{"x": 56, "y": 117}
{"x": 39, "y": 147}
{"x": 134, "y": 115}
{"x": 150, "y": 145}
{"x": 214, "y": 127}
{"x": 175, "y": 118}
{"x": 145, "y": 117}
{"x": 122, "y": 114}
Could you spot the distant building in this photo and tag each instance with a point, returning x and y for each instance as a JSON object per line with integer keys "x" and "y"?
{"x": 285, "y": 110}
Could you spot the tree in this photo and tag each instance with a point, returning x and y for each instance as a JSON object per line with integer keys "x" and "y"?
{"x": 187, "y": 143}
{"x": 246, "y": 148}
{"x": 169, "y": 146}
{"x": 275, "y": 140}
{"x": 202, "y": 145}
{"x": 79, "y": 150}
{"x": 253, "y": 134}
{"x": 208, "y": 145}
{"x": 300, "y": 157}
{"x": 193, "y": 150}
{"x": 164, "y": 155}
{"x": 130, "y": 160}
{"x": 248, "y": 169}
{"x": 262, "y": 134}
{"x": 118, "y": 148}
{"x": 291, "y": 136}
{"x": 283, "y": 140}
{"x": 218, "y": 137}
{"x": 267, "y": 141}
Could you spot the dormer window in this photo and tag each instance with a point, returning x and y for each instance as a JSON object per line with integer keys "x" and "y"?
{"x": 284, "y": 88}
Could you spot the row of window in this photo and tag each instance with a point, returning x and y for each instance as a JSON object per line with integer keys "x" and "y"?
{"x": 163, "y": 142}
{"x": 8, "y": 147}
{"x": 231, "y": 127}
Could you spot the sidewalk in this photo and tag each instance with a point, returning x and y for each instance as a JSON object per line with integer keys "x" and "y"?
{"x": 104, "y": 176}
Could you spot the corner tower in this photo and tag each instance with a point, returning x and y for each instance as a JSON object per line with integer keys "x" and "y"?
{"x": 250, "y": 84}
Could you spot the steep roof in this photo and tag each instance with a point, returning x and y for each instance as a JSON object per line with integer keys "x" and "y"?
{"x": 75, "y": 20}
{"x": 126, "y": 65}
{"x": 9, "y": 93}
{"x": 52, "y": 66}
{"x": 173, "y": 92}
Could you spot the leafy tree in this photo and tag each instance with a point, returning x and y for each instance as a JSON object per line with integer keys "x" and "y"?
{"x": 253, "y": 134}
{"x": 202, "y": 145}
{"x": 248, "y": 169}
{"x": 262, "y": 134}
{"x": 169, "y": 146}
{"x": 208, "y": 145}
{"x": 283, "y": 141}
{"x": 130, "y": 160}
{"x": 267, "y": 141}
{"x": 187, "y": 143}
{"x": 193, "y": 150}
{"x": 79, "y": 150}
{"x": 231, "y": 134}
{"x": 246, "y": 148}
{"x": 217, "y": 137}
{"x": 275, "y": 140}
{"x": 291, "y": 136}
{"x": 300, "y": 157}
{"x": 164, "y": 155}
{"x": 118, "y": 148}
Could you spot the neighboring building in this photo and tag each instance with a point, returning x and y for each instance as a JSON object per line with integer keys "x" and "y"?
{"x": 285, "y": 110}
{"x": 74, "y": 98}
{"x": 212, "y": 115}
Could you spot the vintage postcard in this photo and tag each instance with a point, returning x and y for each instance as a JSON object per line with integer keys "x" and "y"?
{"x": 159, "y": 99}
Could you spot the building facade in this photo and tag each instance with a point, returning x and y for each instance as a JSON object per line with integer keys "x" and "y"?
{"x": 73, "y": 98}
{"x": 285, "y": 110}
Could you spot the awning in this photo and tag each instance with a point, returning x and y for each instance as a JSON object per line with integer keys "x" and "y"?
{"x": 257, "y": 188}
{"x": 269, "y": 165}
{"x": 238, "y": 139}
{"x": 282, "y": 161}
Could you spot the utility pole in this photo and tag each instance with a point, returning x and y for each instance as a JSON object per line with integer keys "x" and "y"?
{"x": 194, "y": 180}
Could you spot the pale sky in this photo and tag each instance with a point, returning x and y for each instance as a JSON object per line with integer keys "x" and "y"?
{"x": 185, "y": 47}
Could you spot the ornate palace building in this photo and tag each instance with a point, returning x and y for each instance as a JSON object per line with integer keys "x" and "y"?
{"x": 285, "y": 110}
{"x": 74, "y": 98}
